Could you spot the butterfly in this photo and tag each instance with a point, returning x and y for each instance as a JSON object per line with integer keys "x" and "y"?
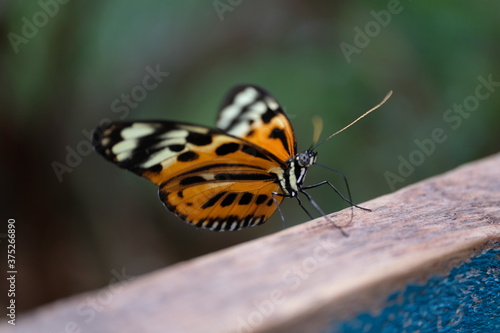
{"x": 225, "y": 178}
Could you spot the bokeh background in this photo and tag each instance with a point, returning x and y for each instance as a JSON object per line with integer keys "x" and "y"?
{"x": 65, "y": 71}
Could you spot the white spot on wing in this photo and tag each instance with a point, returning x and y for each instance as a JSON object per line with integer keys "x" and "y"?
{"x": 254, "y": 113}
{"x": 136, "y": 131}
{"x": 171, "y": 142}
{"x": 158, "y": 157}
{"x": 272, "y": 104}
{"x": 240, "y": 129}
{"x": 245, "y": 97}
{"x": 174, "y": 134}
{"x": 122, "y": 156}
{"x": 124, "y": 146}
{"x": 259, "y": 107}
{"x": 230, "y": 112}
{"x": 227, "y": 115}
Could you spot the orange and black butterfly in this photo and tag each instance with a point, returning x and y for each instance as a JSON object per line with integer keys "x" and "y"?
{"x": 225, "y": 178}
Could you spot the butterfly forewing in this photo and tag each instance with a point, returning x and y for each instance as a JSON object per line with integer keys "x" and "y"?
{"x": 251, "y": 113}
{"x": 206, "y": 177}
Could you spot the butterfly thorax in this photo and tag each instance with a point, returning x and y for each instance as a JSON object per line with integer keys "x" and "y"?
{"x": 295, "y": 173}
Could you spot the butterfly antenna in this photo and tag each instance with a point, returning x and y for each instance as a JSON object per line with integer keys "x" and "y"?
{"x": 357, "y": 119}
{"x": 318, "y": 127}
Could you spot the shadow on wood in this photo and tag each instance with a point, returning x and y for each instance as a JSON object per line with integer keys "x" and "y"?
{"x": 305, "y": 278}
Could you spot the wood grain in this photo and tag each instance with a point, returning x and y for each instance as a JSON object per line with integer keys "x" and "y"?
{"x": 305, "y": 277}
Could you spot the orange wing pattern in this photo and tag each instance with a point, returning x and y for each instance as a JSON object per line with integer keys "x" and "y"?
{"x": 251, "y": 113}
{"x": 222, "y": 197}
{"x": 206, "y": 177}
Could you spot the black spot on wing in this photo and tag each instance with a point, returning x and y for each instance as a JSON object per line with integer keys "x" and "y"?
{"x": 187, "y": 156}
{"x": 245, "y": 199}
{"x": 199, "y": 139}
{"x": 176, "y": 148}
{"x": 192, "y": 180}
{"x": 278, "y": 133}
{"x": 270, "y": 202}
{"x": 228, "y": 200}
{"x": 232, "y": 218}
{"x": 260, "y": 199}
{"x": 213, "y": 200}
{"x": 243, "y": 176}
{"x": 155, "y": 168}
{"x": 253, "y": 152}
{"x": 226, "y": 165}
{"x": 199, "y": 224}
{"x": 266, "y": 117}
{"x": 227, "y": 148}
{"x": 246, "y": 222}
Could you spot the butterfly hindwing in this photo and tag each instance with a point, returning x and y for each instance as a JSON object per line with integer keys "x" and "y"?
{"x": 222, "y": 196}
{"x": 206, "y": 177}
{"x": 251, "y": 113}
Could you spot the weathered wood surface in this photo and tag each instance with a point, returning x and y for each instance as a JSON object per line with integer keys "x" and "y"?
{"x": 303, "y": 278}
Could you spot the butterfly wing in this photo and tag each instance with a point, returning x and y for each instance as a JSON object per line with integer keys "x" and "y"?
{"x": 222, "y": 197}
{"x": 206, "y": 177}
{"x": 251, "y": 113}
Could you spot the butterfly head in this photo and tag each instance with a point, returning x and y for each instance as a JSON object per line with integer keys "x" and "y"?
{"x": 306, "y": 158}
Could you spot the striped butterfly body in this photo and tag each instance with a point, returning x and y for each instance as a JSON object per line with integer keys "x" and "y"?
{"x": 227, "y": 178}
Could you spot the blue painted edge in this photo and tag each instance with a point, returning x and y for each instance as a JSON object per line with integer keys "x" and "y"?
{"x": 467, "y": 300}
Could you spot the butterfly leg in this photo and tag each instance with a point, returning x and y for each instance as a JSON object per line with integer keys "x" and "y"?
{"x": 325, "y": 182}
{"x": 290, "y": 196}
{"x": 278, "y": 206}
{"x": 316, "y": 206}
{"x": 304, "y": 208}
{"x": 343, "y": 176}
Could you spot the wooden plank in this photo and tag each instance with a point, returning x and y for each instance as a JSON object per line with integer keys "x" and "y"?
{"x": 306, "y": 278}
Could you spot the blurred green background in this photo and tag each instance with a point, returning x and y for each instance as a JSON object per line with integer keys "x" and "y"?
{"x": 66, "y": 67}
